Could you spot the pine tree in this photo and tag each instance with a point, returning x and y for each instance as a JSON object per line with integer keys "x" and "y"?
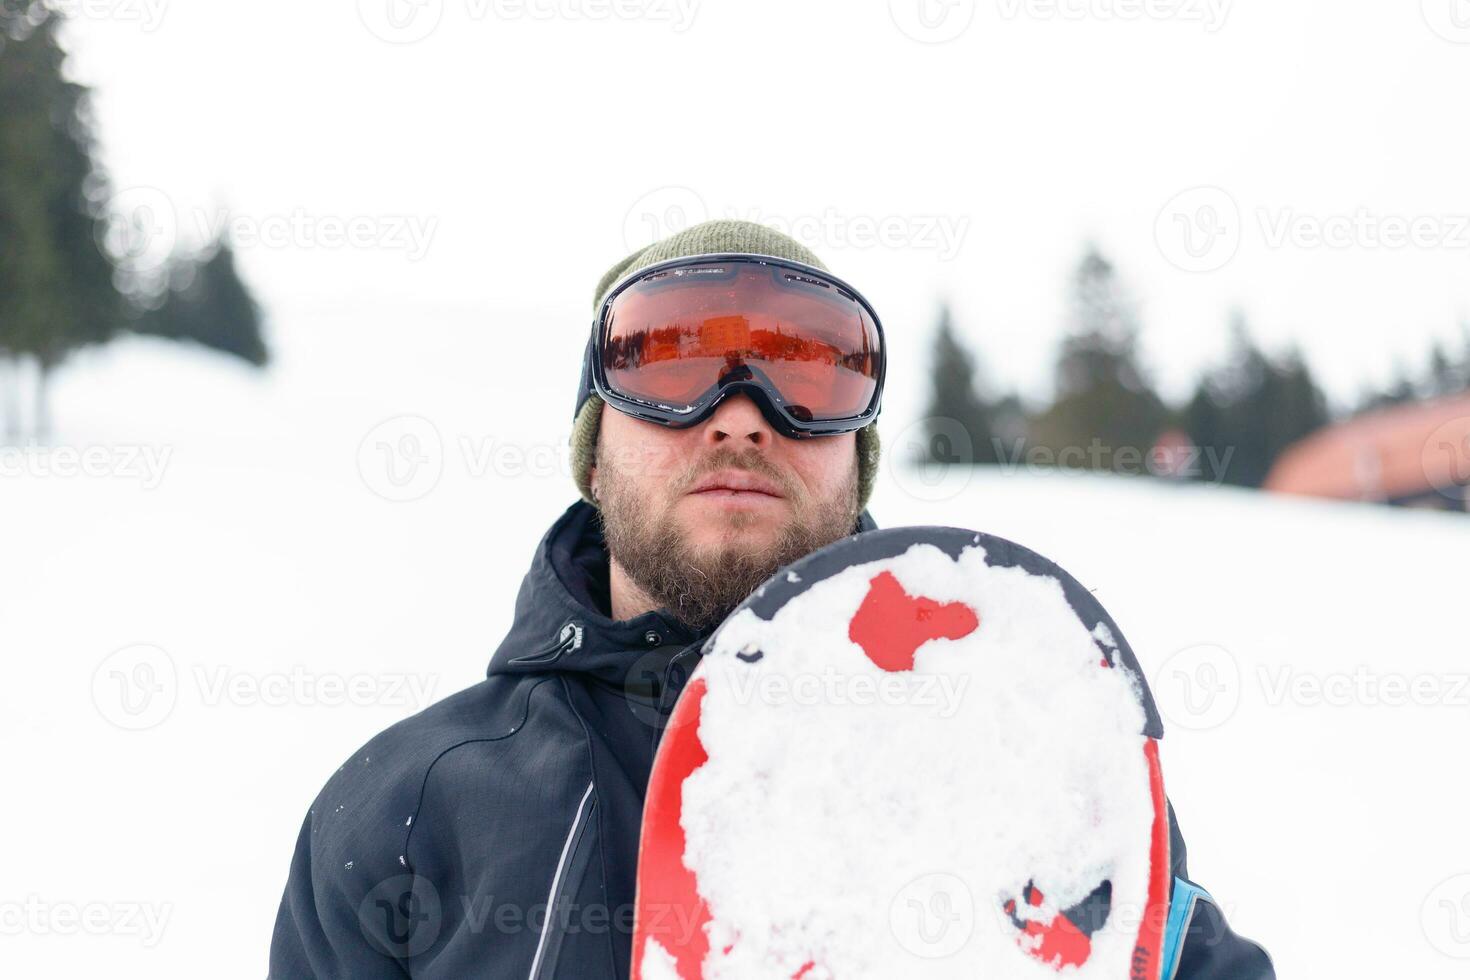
{"x": 56, "y": 283}
{"x": 1103, "y": 401}
{"x": 55, "y": 275}
{"x": 1444, "y": 374}
{"x": 1248, "y": 411}
{"x": 957, "y": 419}
{"x": 207, "y": 303}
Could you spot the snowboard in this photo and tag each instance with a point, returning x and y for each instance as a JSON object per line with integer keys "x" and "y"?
{"x": 917, "y": 752}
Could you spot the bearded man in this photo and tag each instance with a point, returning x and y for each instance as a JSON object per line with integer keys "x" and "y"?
{"x": 495, "y": 834}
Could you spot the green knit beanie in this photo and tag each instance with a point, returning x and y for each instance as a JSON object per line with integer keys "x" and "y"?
{"x": 722, "y": 235}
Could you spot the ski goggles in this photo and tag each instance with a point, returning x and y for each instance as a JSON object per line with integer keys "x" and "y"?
{"x": 674, "y": 340}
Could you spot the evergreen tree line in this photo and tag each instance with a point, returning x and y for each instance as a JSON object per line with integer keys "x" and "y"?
{"x": 1105, "y": 413}
{"x": 61, "y": 288}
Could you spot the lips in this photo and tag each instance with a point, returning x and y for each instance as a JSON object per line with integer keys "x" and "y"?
{"x": 736, "y": 481}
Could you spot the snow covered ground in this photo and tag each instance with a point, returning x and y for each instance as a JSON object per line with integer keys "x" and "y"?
{"x": 253, "y": 574}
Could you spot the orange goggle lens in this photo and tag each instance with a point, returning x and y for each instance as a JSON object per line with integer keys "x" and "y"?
{"x": 674, "y": 336}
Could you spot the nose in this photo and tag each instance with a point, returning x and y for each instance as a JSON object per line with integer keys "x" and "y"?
{"x": 738, "y": 424}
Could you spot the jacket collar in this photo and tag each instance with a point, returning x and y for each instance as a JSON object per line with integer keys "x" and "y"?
{"x": 561, "y": 623}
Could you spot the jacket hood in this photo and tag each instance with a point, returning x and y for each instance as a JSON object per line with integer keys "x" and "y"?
{"x": 561, "y": 614}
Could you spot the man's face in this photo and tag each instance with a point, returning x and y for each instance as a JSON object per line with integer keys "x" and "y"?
{"x": 699, "y": 517}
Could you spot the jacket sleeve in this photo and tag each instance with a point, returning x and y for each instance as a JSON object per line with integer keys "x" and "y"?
{"x": 322, "y": 932}
{"x": 1198, "y": 943}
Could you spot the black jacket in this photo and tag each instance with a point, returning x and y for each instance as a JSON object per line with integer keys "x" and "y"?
{"x": 437, "y": 849}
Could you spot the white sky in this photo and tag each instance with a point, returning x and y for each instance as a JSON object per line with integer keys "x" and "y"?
{"x": 533, "y": 144}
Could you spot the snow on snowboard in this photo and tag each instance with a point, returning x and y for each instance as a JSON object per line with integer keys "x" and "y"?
{"x": 918, "y": 752}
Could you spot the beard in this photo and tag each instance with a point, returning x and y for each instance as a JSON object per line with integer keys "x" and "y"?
{"x": 701, "y": 585}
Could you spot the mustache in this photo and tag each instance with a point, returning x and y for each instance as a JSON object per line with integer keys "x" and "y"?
{"x": 751, "y": 460}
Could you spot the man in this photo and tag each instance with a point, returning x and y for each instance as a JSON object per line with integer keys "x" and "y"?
{"x": 495, "y": 834}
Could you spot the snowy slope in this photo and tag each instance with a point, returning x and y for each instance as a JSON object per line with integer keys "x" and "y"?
{"x": 286, "y": 585}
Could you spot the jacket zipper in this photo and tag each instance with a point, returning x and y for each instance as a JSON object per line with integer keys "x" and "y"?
{"x": 557, "y": 882}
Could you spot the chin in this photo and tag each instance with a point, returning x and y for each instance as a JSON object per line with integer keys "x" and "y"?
{"x": 734, "y": 530}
